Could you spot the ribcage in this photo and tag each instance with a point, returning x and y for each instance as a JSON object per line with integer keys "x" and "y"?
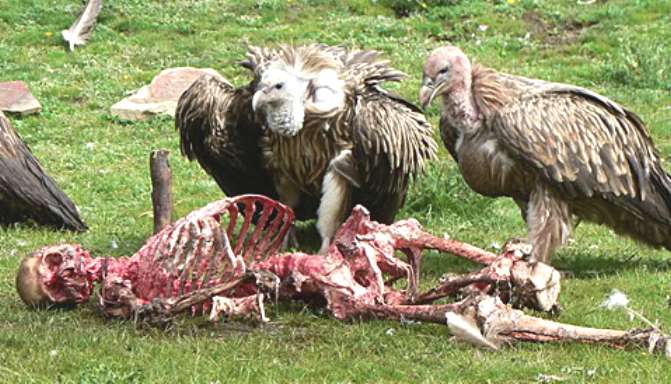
{"x": 210, "y": 246}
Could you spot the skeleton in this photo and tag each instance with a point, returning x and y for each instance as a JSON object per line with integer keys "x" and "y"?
{"x": 224, "y": 259}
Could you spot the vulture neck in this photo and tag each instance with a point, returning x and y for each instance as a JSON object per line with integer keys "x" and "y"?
{"x": 460, "y": 106}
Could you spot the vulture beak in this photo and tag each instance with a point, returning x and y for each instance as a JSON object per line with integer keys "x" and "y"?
{"x": 255, "y": 99}
{"x": 426, "y": 92}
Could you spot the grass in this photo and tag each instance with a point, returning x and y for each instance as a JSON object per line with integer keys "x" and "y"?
{"x": 619, "y": 48}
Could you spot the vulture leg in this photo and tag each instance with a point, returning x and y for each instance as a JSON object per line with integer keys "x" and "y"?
{"x": 335, "y": 199}
{"x": 290, "y": 195}
{"x": 288, "y": 191}
{"x": 524, "y": 208}
{"x": 549, "y": 223}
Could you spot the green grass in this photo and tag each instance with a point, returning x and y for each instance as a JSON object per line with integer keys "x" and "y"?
{"x": 620, "y": 48}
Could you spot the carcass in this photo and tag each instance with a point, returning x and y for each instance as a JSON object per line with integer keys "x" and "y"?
{"x": 225, "y": 259}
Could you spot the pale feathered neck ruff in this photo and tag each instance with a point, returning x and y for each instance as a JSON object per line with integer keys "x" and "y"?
{"x": 489, "y": 92}
{"x": 359, "y": 69}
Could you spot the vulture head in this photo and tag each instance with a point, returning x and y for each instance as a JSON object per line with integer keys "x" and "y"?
{"x": 447, "y": 72}
{"x": 295, "y": 85}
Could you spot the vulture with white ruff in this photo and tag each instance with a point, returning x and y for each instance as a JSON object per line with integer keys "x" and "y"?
{"x": 26, "y": 191}
{"x": 560, "y": 151}
{"x": 313, "y": 128}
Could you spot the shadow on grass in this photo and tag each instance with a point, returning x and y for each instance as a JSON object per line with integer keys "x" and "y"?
{"x": 583, "y": 265}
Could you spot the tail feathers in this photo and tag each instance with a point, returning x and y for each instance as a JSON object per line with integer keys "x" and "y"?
{"x": 661, "y": 182}
{"x": 650, "y": 232}
{"x": 647, "y": 221}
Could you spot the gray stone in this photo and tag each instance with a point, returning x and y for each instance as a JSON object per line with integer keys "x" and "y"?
{"x": 15, "y": 97}
{"x": 161, "y": 95}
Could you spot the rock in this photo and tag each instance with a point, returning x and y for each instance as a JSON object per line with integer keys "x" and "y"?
{"x": 15, "y": 97}
{"x": 161, "y": 95}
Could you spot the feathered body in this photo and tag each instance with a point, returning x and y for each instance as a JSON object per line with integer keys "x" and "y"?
{"x": 26, "y": 191}
{"x": 559, "y": 150}
{"x": 313, "y": 128}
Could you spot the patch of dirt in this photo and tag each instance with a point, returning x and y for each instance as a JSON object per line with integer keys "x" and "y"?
{"x": 552, "y": 33}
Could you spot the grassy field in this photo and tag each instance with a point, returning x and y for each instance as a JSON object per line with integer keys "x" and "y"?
{"x": 619, "y": 48}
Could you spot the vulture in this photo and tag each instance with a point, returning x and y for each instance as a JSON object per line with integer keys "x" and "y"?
{"x": 562, "y": 152}
{"x": 313, "y": 128}
{"x": 26, "y": 191}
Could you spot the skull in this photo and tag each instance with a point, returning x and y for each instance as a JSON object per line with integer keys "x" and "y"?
{"x": 56, "y": 274}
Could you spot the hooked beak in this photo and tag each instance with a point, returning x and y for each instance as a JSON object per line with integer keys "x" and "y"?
{"x": 255, "y": 99}
{"x": 427, "y": 92}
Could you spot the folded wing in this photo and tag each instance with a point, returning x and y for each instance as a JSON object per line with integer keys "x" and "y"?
{"x": 392, "y": 144}
{"x": 586, "y": 145}
{"x": 26, "y": 191}
{"x": 217, "y": 128}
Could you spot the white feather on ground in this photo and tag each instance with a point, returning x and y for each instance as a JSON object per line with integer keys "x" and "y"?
{"x": 615, "y": 300}
{"x": 465, "y": 330}
{"x": 80, "y": 31}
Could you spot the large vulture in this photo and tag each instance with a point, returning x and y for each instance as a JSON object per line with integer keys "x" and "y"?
{"x": 313, "y": 128}
{"x": 558, "y": 150}
{"x": 26, "y": 192}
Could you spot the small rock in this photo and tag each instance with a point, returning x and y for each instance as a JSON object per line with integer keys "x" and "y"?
{"x": 161, "y": 95}
{"x": 15, "y": 97}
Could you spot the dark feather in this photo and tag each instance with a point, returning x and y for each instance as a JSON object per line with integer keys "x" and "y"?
{"x": 26, "y": 191}
{"x": 392, "y": 141}
{"x": 217, "y": 128}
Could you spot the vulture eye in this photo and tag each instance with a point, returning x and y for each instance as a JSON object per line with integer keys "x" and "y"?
{"x": 443, "y": 71}
{"x": 279, "y": 85}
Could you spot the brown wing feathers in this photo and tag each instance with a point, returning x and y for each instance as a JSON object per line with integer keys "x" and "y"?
{"x": 393, "y": 141}
{"x": 217, "y": 128}
{"x": 586, "y": 144}
{"x": 26, "y": 191}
